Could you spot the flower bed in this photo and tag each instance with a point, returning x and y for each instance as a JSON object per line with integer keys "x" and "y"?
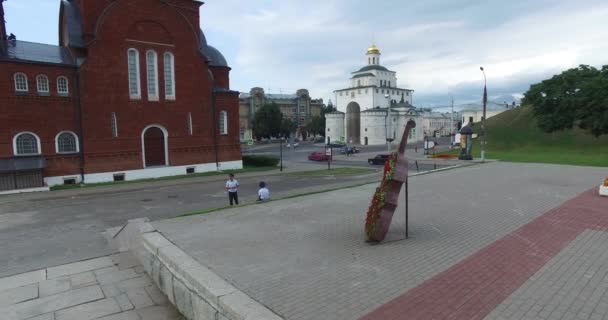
{"x": 375, "y": 222}
{"x": 604, "y": 188}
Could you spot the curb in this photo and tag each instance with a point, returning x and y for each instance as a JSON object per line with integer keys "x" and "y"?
{"x": 196, "y": 291}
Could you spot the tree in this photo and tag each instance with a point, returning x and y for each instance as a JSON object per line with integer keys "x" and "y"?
{"x": 316, "y": 126}
{"x": 267, "y": 121}
{"x": 288, "y": 127}
{"x": 575, "y": 98}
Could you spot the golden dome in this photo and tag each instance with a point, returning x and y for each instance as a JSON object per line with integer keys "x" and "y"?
{"x": 373, "y": 49}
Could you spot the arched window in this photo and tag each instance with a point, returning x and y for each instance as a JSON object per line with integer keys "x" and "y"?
{"x": 66, "y": 142}
{"x": 169, "y": 71}
{"x": 223, "y": 122}
{"x": 20, "y": 82}
{"x": 42, "y": 83}
{"x": 62, "y": 86}
{"x": 134, "y": 80}
{"x": 26, "y": 144}
{"x": 152, "y": 75}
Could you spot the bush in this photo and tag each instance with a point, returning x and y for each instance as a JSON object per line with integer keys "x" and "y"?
{"x": 260, "y": 161}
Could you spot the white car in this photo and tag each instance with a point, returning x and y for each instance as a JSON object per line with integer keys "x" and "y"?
{"x": 295, "y": 145}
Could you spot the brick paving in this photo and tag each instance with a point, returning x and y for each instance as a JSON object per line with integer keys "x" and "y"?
{"x": 305, "y": 257}
{"x": 107, "y": 288}
{"x": 474, "y": 287}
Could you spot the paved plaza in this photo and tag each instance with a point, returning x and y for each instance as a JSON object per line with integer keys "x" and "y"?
{"x": 495, "y": 241}
{"x": 107, "y": 288}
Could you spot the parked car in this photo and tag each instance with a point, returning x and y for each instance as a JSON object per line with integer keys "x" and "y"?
{"x": 378, "y": 159}
{"x": 344, "y": 150}
{"x": 295, "y": 145}
{"x": 318, "y": 156}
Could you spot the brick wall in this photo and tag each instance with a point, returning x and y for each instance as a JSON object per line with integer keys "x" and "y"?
{"x": 110, "y": 29}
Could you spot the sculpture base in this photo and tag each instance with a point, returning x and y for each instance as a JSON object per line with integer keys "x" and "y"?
{"x": 465, "y": 157}
{"x": 603, "y": 191}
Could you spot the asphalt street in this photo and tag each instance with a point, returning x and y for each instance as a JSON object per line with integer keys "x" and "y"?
{"x": 37, "y": 233}
{"x": 63, "y": 227}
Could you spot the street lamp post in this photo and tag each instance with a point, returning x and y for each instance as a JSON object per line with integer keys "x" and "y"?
{"x": 483, "y": 119}
{"x": 388, "y": 125}
{"x": 452, "y": 137}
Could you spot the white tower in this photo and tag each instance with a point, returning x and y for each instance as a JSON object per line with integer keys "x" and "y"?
{"x": 373, "y": 55}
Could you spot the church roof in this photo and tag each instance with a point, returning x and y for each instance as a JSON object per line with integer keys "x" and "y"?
{"x": 367, "y": 74}
{"x": 73, "y": 25}
{"x": 372, "y": 67}
{"x": 215, "y": 57}
{"x": 37, "y": 52}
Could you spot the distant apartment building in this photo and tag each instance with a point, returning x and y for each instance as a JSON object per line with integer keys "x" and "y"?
{"x": 298, "y": 107}
{"x": 439, "y": 124}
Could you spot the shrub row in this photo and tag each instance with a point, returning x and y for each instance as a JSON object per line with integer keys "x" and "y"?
{"x": 260, "y": 161}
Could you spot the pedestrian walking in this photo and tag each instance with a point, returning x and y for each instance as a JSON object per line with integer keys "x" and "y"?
{"x": 232, "y": 186}
{"x": 263, "y": 193}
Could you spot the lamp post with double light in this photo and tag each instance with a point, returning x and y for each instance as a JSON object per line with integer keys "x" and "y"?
{"x": 483, "y": 119}
{"x": 389, "y": 121}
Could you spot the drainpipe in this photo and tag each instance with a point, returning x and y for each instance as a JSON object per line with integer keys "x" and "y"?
{"x": 217, "y": 162}
{"x": 80, "y": 124}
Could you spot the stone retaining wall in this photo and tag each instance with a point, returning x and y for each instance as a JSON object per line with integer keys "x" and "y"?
{"x": 197, "y": 292}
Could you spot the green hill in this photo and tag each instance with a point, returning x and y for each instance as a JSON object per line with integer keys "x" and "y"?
{"x": 514, "y": 136}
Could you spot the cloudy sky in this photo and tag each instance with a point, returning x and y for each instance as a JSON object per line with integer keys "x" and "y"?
{"x": 436, "y": 46}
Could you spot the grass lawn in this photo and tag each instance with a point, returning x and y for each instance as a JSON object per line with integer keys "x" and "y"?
{"x": 186, "y": 176}
{"x": 334, "y": 172}
{"x": 514, "y": 136}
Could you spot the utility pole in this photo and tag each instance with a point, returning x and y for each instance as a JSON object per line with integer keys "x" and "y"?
{"x": 389, "y": 131}
{"x": 452, "y": 124}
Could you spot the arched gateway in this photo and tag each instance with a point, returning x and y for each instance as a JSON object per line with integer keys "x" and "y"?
{"x": 353, "y": 123}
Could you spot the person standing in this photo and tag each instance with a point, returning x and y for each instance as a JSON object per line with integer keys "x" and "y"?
{"x": 232, "y": 186}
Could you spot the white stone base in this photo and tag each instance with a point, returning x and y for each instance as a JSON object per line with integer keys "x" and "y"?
{"x": 196, "y": 291}
{"x": 148, "y": 173}
{"x": 15, "y": 191}
{"x": 603, "y": 191}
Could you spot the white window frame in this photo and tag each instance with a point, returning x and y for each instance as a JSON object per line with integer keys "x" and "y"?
{"x": 26, "y": 154}
{"x": 152, "y": 83}
{"x": 77, "y": 143}
{"x": 223, "y": 122}
{"x": 137, "y": 84}
{"x": 67, "y": 86}
{"x": 41, "y": 81}
{"x": 169, "y": 75}
{"x": 17, "y": 89}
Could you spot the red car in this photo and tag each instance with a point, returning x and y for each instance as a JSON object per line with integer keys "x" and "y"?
{"x": 318, "y": 156}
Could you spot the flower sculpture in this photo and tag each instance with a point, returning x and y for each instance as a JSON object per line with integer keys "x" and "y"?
{"x": 385, "y": 199}
{"x": 606, "y": 182}
{"x": 604, "y": 188}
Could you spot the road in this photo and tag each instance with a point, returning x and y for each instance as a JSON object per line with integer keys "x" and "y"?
{"x": 58, "y": 229}
{"x": 38, "y": 231}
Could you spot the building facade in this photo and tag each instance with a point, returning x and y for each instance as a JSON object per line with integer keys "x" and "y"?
{"x": 364, "y": 107}
{"x": 298, "y": 107}
{"x": 440, "y": 124}
{"x": 132, "y": 91}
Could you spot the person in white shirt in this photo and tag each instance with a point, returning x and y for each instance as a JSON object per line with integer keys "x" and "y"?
{"x": 232, "y": 186}
{"x": 263, "y": 193}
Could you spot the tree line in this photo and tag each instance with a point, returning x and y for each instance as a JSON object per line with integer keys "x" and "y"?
{"x": 577, "y": 97}
{"x": 269, "y": 122}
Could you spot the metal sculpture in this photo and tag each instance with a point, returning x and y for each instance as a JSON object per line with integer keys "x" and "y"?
{"x": 386, "y": 197}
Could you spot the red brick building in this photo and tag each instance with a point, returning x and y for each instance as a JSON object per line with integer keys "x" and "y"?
{"x": 132, "y": 91}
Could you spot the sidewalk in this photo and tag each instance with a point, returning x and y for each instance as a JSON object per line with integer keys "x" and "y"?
{"x": 479, "y": 235}
{"x": 107, "y": 288}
